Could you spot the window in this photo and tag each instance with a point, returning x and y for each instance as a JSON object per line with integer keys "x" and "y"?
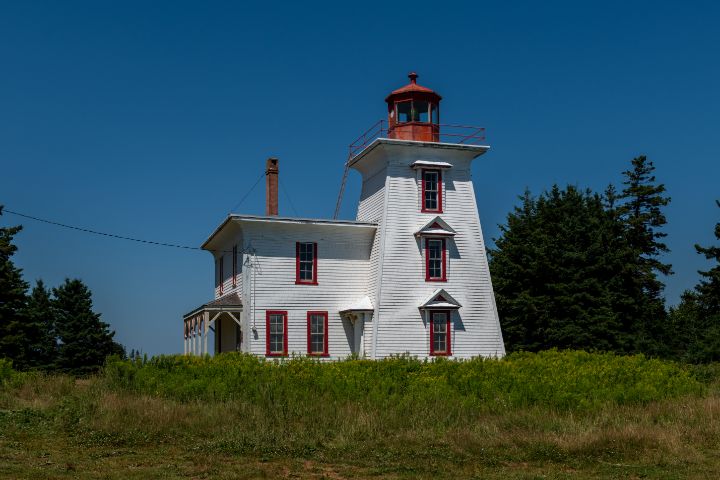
{"x": 276, "y": 333}
{"x": 420, "y": 111}
{"x": 432, "y": 191}
{"x": 219, "y": 274}
{"x": 234, "y": 266}
{"x": 317, "y": 327}
{"x": 416, "y": 111}
{"x": 440, "y": 333}
{"x": 306, "y": 263}
{"x": 403, "y": 111}
{"x": 435, "y": 260}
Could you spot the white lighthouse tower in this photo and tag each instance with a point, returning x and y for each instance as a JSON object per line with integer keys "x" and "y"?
{"x": 429, "y": 280}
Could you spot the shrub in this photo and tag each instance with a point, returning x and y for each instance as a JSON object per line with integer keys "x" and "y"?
{"x": 562, "y": 380}
{"x": 6, "y": 370}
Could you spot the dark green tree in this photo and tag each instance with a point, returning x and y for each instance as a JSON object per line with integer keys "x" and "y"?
{"x": 641, "y": 209}
{"x": 40, "y": 328}
{"x": 695, "y": 323}
{"x": 84, "y": 340}
{"x": 13, "y": 300}
{"x": 709, "y": 287}
{"x": 557, "y": 273}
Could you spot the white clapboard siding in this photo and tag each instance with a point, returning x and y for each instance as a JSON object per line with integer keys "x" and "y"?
{"x": 398, "y": 323}
{"x": 377, "y": 256}
{"x": 227, "y": 258}
{"x": 371, "y": 208}
{"x": 342, "y": 272}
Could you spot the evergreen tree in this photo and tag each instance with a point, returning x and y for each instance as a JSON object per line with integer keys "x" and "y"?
{"x": 13, "y": 299}
{"x": 695, "y": 323}
{"x": 641, "y": 211}
{"x": 85, "y": 340}
{"x": 556, "y": 275}
{"x": 709, "y": 288}
{"x": 40, "y": 329}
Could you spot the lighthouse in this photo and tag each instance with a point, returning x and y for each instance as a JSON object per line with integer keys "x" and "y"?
{"x": 409, "y": 275}
{"x": 430, "y": 282}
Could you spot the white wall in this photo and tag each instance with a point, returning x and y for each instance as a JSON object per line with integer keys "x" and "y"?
{"x": 401, "y": 267}
{"x": 226, "y": 253}
{"x": 342, "y": 272}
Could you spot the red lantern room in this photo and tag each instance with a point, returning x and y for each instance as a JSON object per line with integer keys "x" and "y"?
{"x": 414, "y": 112}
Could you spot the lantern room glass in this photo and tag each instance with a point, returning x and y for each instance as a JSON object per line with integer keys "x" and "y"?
{"x": 416, "y": 111}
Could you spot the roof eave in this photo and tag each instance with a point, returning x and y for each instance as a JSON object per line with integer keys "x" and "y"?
{"x": 286, "y": 220}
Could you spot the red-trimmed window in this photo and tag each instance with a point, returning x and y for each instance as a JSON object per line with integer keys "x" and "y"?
{"x": 276, "y": 338}
{"x": 234, "y": 266}
{"x": 435, "y": 260}
{"x": 306, "y": 263}
{"x": 440, "y": 333}
{"x": 219, "y": 274}
{"x": 432, "y": 191}
{"x": 317, "y": 333}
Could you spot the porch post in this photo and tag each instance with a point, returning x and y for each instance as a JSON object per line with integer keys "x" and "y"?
{"x": 361, "y": 343}
{"x": 206, "y": 330}
{"x": 194, "y": 339}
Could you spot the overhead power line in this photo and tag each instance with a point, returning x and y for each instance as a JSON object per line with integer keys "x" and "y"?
{"x": 124, "y": 237}
{"x": 104, "y": 234}
{"x": 247, "y": 249}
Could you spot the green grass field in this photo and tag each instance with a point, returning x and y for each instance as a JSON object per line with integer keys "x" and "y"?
{"x": 549, "y": 415}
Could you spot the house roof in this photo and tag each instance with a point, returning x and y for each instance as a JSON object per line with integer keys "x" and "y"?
{"x": 231, "y": 301}
{"x": 288, "y": 221}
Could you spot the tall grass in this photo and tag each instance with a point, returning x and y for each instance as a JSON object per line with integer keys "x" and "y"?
{"x": 402, "y": 416}
{"x": 563, "y": 380}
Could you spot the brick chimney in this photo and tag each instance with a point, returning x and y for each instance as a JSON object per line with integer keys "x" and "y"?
{"x": 271, "y": 186}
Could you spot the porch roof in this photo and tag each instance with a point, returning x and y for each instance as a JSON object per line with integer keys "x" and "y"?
{"x": 229, "y": 302}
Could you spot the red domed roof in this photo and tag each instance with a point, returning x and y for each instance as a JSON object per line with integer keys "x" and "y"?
{"x": 412, "y": 88}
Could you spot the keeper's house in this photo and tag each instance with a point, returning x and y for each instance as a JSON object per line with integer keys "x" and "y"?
{"x": 409, "y": 275}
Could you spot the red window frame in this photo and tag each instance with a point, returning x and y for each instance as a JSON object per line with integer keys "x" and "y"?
{"x": 268, "y": 313}
{"x": 439, "y": 208}
{"x": 234, "y": 266}
{"x": 443, "y": 245}
{"x": 314, "y": 280}
{"x": 219, "y": 280}
{"x": 448, "y": 333}
{"x": 325, "y": 351}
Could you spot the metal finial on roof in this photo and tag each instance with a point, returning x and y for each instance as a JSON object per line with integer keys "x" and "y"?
{"x": 413, "y": 77}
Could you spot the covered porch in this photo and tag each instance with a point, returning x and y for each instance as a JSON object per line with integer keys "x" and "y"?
{"x": 358, "y": 313}
{"x": 217, "y": 315}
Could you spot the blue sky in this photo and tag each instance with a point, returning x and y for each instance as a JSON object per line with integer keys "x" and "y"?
{"x": 152, "y": 119}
